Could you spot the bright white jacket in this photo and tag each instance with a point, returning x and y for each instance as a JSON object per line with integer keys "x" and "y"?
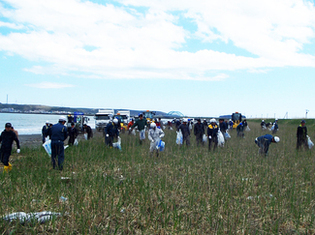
{"x": 155, "y": 135}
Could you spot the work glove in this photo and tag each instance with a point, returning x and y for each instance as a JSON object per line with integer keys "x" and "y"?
{"x": 107, "y": 135}
{"x": 18, "y": 150}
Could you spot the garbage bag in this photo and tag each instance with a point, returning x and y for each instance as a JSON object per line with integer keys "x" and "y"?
{"x": 204, "y": 138}
{"x": 76, "y": 142}
{"x": 220, "y": 139}
{"x": 160, "y": 145}
{"x": 309, "y": 142}
{"x": 47, "y": 147}
{"x": 86, "y": 136}
{"x": 227, "y": 135}
{"x": 117, "y": 145}
{"x": 179, "y": 137}
{"x": 133, "y": 132}
{"x": 247, "y": 128}
{"x": 273, "y": 127}
{"x": 142, "y": 135}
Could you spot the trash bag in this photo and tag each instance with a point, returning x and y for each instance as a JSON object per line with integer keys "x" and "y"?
{"x": 76, "y": 142}
{"x": 220, "y": 139}
{"x": 142, "y": 135}
{"x": 179, "y": 137}
{"x": 204, "y": 138}
{"x": 117, "y": 145}
{"x": 133, "y": 132}
{"x": 160, "y": 145}
{"x": 227, "y": 135}
{"x": 273, "y": 127}
{"x": 86, "y": 136}
{"x": 47, "y": 147}
{"x": 247, "y": 128}
{"x": 309, "y": 142}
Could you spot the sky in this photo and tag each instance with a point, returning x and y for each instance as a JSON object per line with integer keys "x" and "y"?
{"x": 202, "y": 58}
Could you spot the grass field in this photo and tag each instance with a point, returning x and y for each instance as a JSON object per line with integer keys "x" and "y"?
{"x": 184, "y": 191}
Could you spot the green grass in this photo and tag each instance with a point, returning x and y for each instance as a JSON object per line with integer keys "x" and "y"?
{"x": 184, "y": 191}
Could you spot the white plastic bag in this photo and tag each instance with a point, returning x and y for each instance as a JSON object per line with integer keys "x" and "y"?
{"x": 76, "y": 142}
{"x": 47, "y": 147}
{"x": 309, "y": 142}
{"x": 142, "y": 135}
{"x": 117, "y": 145}
{"x": 220, "y": 139}
{"x": 179, "y": 137}
{"x": 133, "y": 132}
{"x": 227, "y": 135}
{"x": 85, "y": 136}
{"x": 273, "y": 127}
{"x": 204, "y": 138}
{"x": 247, "y": 128}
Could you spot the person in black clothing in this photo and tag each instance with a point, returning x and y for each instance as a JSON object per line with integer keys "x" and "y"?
{"x": 198, "y": 132}
{"x": 6, "y": 138}
{"x": 263, "y": 125}
{"x": 301, "y": 136}
{"x": 240, "y": 130}
{"x": 184, "y": 128}
{"x": 45, "y": 131}
{"x": 212, "y": 133}
{"x": 73, "y": 134}
{"x": 87, "y": 129}
{"x": 223, "y": 126}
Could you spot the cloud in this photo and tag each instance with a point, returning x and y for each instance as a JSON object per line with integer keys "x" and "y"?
{"x": 128, "y": 43}
{"x": 49, "y": 85}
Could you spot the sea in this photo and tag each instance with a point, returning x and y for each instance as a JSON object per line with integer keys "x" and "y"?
{"x": 30, "y": 124}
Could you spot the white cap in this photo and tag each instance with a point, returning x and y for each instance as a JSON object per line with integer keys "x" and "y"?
{"x": 62, "y": 119}
{"x": 185, "y": 120}
{"x": 276, "y": 138}
{"x": 47, "y": 121}
{"x": 152, "y": 125}
{"x": 213, "y": 120}
{"x": 115, "y": 120}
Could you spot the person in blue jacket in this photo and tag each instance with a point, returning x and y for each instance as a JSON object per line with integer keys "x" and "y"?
{"x": 58, "y": 133}
{"x": 111, "y": 131}
{"x": 264, "y": 141}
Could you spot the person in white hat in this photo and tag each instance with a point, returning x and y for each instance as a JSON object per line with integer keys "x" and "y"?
{"x": 58, "y": 133}
{"x": 155, "y": 134}
{"x": 184, "y": 128}
{"x": 212, "y": 133}
{"x": 264, "y": 141}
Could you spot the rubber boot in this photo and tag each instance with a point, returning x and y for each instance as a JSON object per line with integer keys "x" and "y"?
{"x": 10, "y": 166}
{"x": 6, "y": 169}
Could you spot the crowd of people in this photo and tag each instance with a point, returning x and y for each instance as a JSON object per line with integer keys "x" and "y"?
{"x": 204, "y": 131}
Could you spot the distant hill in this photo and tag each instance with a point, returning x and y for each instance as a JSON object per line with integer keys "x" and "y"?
{"x": 28, "y": 108}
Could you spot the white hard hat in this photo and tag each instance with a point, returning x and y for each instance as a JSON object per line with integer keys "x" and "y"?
{"x": 62, "y": 119}
{"x": 213, "y": 120}
{"x": 115, "y": 120}
{"x": 152, "y": 125}
{"x": 47, "y": 121}
{"x": 185, "y": 120}
{"x": 262, "y": 120}
{"x": 276, "y": 138}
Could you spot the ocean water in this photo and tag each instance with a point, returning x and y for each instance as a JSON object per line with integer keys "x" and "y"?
{"x": 29, "y": 124}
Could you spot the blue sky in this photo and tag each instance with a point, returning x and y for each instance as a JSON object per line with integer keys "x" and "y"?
{"x": 202, "y": 58}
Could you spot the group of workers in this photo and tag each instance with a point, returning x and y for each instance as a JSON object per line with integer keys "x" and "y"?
{"x": 58, "y": 133}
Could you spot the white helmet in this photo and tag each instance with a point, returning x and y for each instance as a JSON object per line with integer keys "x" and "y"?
{"x": 62, "y": 119}
{"x": 213, "y": 120}
{"x": 276, "y": 138}
{"x": 47, "y": 122}
{"x": 262, "y": 120}
{"x": 115, "y": 120}
{"x": 185, "y": 120}
{"x": 152, "y": 125}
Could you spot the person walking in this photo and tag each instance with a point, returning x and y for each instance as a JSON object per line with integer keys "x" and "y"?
{"x": 45, "y": 131}
{"x": 264, "y": 141}
{"x": 58, "y": 134}
{"x": 184, "y": 128}
{"x": 6, "y": 139}
{"x": 223, "y": 127}
{"x": 155, "y": 134}
{"x": 141, "y": 123}
{"x": 111, "y": 132}
{"x": 275, "y": 127}
{"x": 212, "y": 133}
{"x": 263, "y": 125}
{"x": 240, "y": 130}
{"x": 73, "y": 134}
{"x": 199, "y": 132}
{"x": 301, "y": 136}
